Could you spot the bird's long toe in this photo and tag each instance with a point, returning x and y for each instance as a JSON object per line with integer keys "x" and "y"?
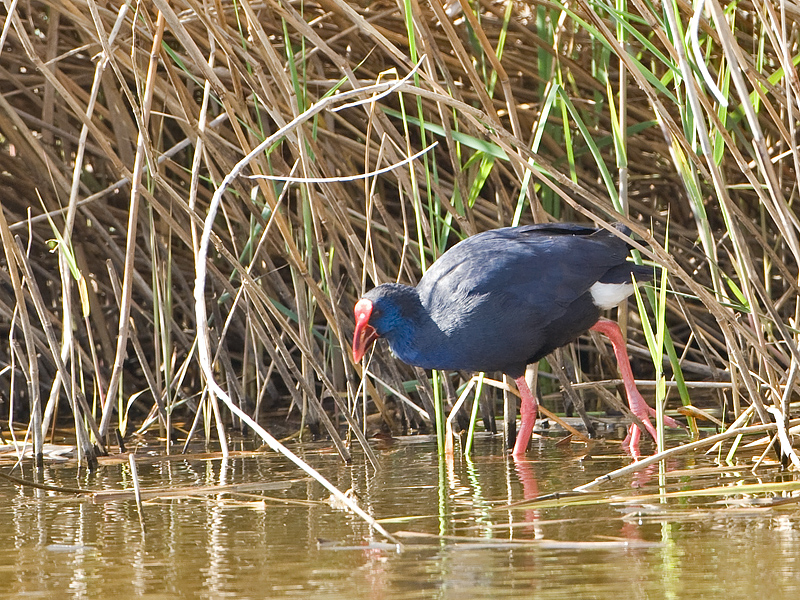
{"x": 644, "y": 411}
{"x": 631, "y": 442}
{"x": 668, "y": 421}
{"x": 641, "y": 409}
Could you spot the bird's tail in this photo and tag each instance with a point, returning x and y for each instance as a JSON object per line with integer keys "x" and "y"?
{"x": 624, "y": 272}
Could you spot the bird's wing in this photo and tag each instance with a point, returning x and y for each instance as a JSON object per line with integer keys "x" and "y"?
{"x": 537, "y": 265}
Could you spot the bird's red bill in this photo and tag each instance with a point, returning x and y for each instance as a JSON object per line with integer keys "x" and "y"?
{"x": 365, "y": 333}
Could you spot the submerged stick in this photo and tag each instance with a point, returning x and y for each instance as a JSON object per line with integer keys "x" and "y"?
{"x": 43, "y": 486}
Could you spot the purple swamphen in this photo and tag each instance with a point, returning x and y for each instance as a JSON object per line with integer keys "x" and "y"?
{"x": 505, "y": 298}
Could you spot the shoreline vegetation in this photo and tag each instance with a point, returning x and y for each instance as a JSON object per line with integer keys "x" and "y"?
{"x": 254, "y": 167}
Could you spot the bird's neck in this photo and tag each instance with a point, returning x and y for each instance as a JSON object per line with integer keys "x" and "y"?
{"x": 416, "y": 340}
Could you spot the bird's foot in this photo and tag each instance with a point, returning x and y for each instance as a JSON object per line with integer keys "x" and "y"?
{"x": 527, "y": 421}
{"x": 527, "y": 410}
{"x": 631, "y": 442}
{"x": 520, "y": 447}
{"x": 644, "y": 411}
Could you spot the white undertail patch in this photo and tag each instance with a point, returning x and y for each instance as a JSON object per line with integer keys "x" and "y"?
{"x": 608, "y": 295}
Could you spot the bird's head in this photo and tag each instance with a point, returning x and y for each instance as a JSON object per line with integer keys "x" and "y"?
{"x": 389, "y": 310}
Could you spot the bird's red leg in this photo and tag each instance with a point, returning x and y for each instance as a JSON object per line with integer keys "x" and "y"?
{"x": 527, "y": 411}
{"x": 638, "y": 406}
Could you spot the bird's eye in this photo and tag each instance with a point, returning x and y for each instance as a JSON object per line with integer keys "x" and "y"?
{"x": 376, "y": 314}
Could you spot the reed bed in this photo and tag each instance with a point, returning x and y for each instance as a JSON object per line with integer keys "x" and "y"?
{"x": 194, "y": 194}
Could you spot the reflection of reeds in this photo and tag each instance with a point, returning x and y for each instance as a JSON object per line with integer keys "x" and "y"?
{"x": 118, "y": 127}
